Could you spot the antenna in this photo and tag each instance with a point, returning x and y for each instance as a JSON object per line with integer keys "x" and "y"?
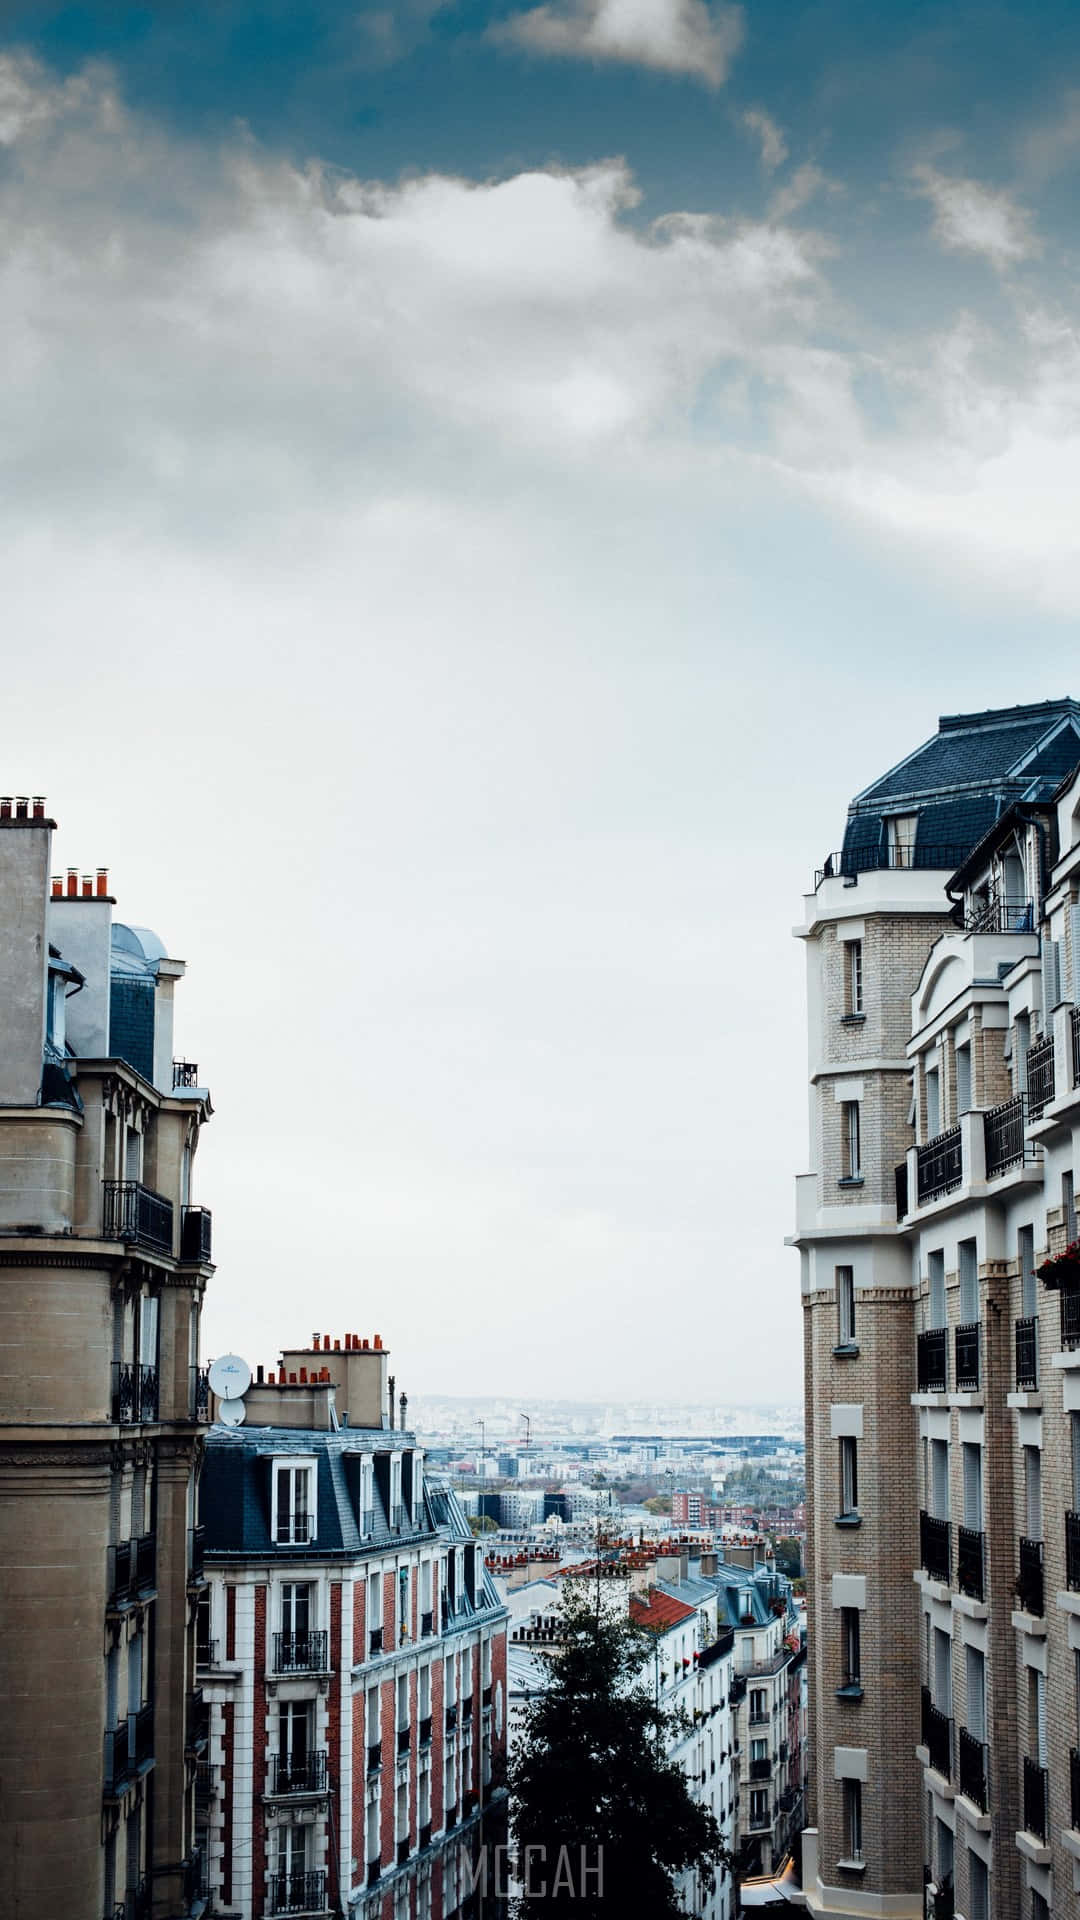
{"x": 229, "y": 1377}
{"x": 232, "y": 1413}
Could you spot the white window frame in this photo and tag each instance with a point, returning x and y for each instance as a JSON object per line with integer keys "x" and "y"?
{"x": 294, "y": 1465}
{"x": 852, "y": 1126}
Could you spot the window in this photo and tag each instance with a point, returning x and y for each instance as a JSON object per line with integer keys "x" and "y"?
{"x": 963, "y": 1080}
{"x": 759, "y": 1750}
{"x": 849, "y": 1475}
{"x": 945, "y": 1851}
{"x": 1074, "y": 1439}
{"x": 933, "y": 1103}
{"x": 851, "y": 1152}
{"x": 1039, "y": 1907}
{"x": 935, "y": 1264}
{"x": 1025, "y": 1247}
{"x": 295, "y": 1608}
{"x": 292, "y": 1854}
{"x": 1021, "y": 1044}
{"x": 1036, "y": 1716}
{"x": 979, "y": 1882}
{"x": 850, "y": 1634}
{"x": 293, "y": 1519}
{"x": 759, "y": 1806}
{"x": 404, "y": 1617}
{"x": 1033, "y": 1492}
{"x": 939, "y": 1479}
{"x": 975, "y": 1665}
{"x": 941, "y": 1683}
{"x": 853, "y": 979}
{"x": 969, "y": 1281}
{"x": 973, "y": 1499}
{"x": 853, "y": 1819}
{"x": 901, "y": 839}
{"x": 845, "y": 1305}
{"x": 1068, "y": 1202}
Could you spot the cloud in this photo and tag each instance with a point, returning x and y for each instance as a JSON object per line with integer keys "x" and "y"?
{"x": 671, "y": 36}
{"x": 972, "y": 218}
{"x": 774, "y": 148}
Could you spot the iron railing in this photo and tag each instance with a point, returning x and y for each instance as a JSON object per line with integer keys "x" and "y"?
{"x": 1072, "y": 1551}
{"x": 199, "y": 1393}
{"x": 969, "y": 1562}
{"x": 185, "y": 1073}
{"x": 1030, "y": 1583}
{"x": 760, "y": 1769}
{"x": 298, "y": 1772}
{"x": 939, "y": 1165}
{"x": 303, "y": 1892}
{"x": 1034, "y": 1798}
{"x": 1027, "y": 1352}
{"x": 935, "y": 1547}
{"x": 971, "y": 1754}
{"x": 300, "y": 1652}
{"x": 1001, "y": 916}
{"x": 901, "y": 1190}
{"x": 1040, "y": 1076}
{"x": 1074, "y": 1789}
{"x": 937, "y": 1736}
{"x": 196, "y": 1235}
{"x": 206, "y": 1655}
{"x": 1003, "y": 1133}
{"x": 932, "y": 1360}
{"x": 931, "y": 857}
{"x": 138, "y": 1216}
{"x": 134, "y": 1392}
{"x": 967, "y": 1357}
{"x": 1070, "y": 1318}
{"x": 197, "y": 1729}
{"x": 1074, "y": 1023}
{"x": 132, "y": 1569}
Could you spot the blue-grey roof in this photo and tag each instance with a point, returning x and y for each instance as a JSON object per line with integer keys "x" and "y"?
{"x": 962, "y": 780}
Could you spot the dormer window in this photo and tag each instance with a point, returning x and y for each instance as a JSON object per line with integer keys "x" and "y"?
{"x": 901, "y": 829}
{"x": 292, "y": 1520}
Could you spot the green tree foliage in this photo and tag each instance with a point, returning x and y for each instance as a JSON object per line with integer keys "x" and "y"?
{"x": 482, "y": 1523}
{"x": 788, "y": 1555}
{"x": 591, "y": 1782}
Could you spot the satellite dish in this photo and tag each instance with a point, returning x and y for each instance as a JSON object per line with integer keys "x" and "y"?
{"x": 232, "y": 1413}
{"x": 229, "y": 1377}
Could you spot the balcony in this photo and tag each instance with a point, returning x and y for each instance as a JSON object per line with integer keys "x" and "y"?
{"x": 374, "y": 1756}
{"x": 932, "y": 1360}
{"x": 199, "y": 1393}
{"x": 1003, "y": 1133}
{"x": 1072, "y": 1552}
{"x": 760, "y": 1769}
{"x": 1040, "y": 1076}
{"x": 967, "y": 1358}
{"x": 937, "y": 1736}
{"x": 933, "y": 857}
{"x": 995, "y": 915}
{"x": 196, "y": 1236}
{"x": 303, "y": 1892}
{"x": 129, "y": 1750}
{"x": 185, "y": 1073}
{"x": 969, "y": 1562}
{"x": 1074, "y": 1789}
{"x": 1030, "y": 1585}
{"x": 197, "y": 1734}
{"x": 939, "y": 1165}
{"x": 134, "y": 1392}
{"x": 1027, "y": 1353}
{"x": 1070, "y": 1318}
{"x": 972, "y": 1755}
{"x": 1034, "y": 1798}
{"x": 760, "y": 1819}
{"x": 137, "y": 1216}
{"x": 132, "y": 1570}
{"x": 297, "y": 1773}
{"x": 935, "y": 1547}
{"x": 300, "y": 1653}
{"x": 206, "y": 1655}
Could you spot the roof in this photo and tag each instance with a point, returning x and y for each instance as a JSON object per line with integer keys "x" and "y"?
{"x": 658, "y": 1611}
{"x": 961, "y": 780}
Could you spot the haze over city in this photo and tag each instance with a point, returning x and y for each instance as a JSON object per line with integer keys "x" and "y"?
{"x": 491, "y": 483}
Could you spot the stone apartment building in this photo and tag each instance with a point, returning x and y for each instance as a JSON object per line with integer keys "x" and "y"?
{"x": 942, "y": 1366}
{"x": 104, "y": 1259}
{"x": 352, "y": 1657}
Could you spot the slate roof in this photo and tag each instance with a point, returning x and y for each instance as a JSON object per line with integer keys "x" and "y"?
{"x": 962, "y": 780}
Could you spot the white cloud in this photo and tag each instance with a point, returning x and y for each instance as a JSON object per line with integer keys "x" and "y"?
{"x": 672, "y": 36}
{"x": 774, "y": 149}
{"x": 972, "y": 218}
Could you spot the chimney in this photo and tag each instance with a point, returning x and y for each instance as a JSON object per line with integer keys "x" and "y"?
{"x": 57, "y": 884}
{"x": 378, "y": 1340}
{"x": 259, "y": 1376}
{"x": 22, "y": 807}
{"x": 39, "y": 806}
{"x": 403, "y": 1405}
{"x": 72, "y": 882}
{"x": 87, "y": 886}
{"x": 102, "y": 882}
{"x": 5, "y": 806}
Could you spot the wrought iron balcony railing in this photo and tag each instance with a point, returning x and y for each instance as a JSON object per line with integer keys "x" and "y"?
{"x": 1001, "y": 916}
{"x": 1074, "y": 1025}
{"x": 1072, "y": 1552}
{"x": 1034, "y": 1798}
{"x": 937, "y": 1735}
{"x": 298, "y": 1772}
{"x": 967, "y": 1357}
{"x": 199, "y": 1393}
{"x": 300, "y": 1652}
{"x": 971, "y": 1755}
{"x": 1030, "y": 1584}
{"x": 901, "y": 1190}
{"x": 196, "y": 1553}
{"x": 1003, "y": 1133}
{"x": 134, "y": 1392}
{"x": 206, "y": 1655}
{"x": 970, "y": 1547}
{"x": 939, "y": 1165}
{"x": 197, "y": 1732}
{"x": 196, "y": 1236}
{"x": 931, "y": 857}
{"x": 932, "y": 1360}
{"x": 1070, "y": 1318}
{"x": 1040, "y": 1076}
{"x": 1027, "y": 1352}
{"x": 760, "y": 1769}
{"x": 1074, "y": 1789}
{"x": 935, "y": 1547}
{"x": 303, "y": 1892}
{"x": 136, "y": 1215}
{"x": 132, "y": 1569}
{"x": 185, "y": 1073}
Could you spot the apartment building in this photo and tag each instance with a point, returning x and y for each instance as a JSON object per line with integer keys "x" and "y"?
{"x": 105, "y": 1259}
{"x": 943, "y": 1448}
{"x": 352, "y": 1654}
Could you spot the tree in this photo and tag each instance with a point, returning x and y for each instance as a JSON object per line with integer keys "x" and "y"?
{"x": 788, "y": 1554}
{"x": 593, "y": 1788}
{"x": 482, "y": 1523}
{"x": 659, "y": 1503}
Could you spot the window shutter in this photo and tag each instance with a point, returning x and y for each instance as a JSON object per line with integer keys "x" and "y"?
{"x": 1074, "y": 942}
{"x": 1051, "y": 979}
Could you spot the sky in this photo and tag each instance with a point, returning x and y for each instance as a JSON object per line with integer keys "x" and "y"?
{"x": 482, "y": 486}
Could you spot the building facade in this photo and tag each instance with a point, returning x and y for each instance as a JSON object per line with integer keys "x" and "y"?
{"x": 104, "y": 1260}
{"x": 942, "y": 957}
{"x": 352, "y": 1653}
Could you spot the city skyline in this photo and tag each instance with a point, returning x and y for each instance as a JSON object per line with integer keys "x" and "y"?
{"x": 503, "y": 477}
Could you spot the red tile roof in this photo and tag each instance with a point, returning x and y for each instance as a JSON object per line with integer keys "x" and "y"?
{"x": 658, "y": 1611}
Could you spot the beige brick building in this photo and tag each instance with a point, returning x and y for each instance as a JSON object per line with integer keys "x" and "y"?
{"x": 103, "y": 1264}
{"x": 942, "y": 1374}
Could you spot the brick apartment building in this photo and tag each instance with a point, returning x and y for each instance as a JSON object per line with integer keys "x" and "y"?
{"x": 942, "y": 1370}
{"x": 104, "y": 1260}
{"x": 352, "y": 1652}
